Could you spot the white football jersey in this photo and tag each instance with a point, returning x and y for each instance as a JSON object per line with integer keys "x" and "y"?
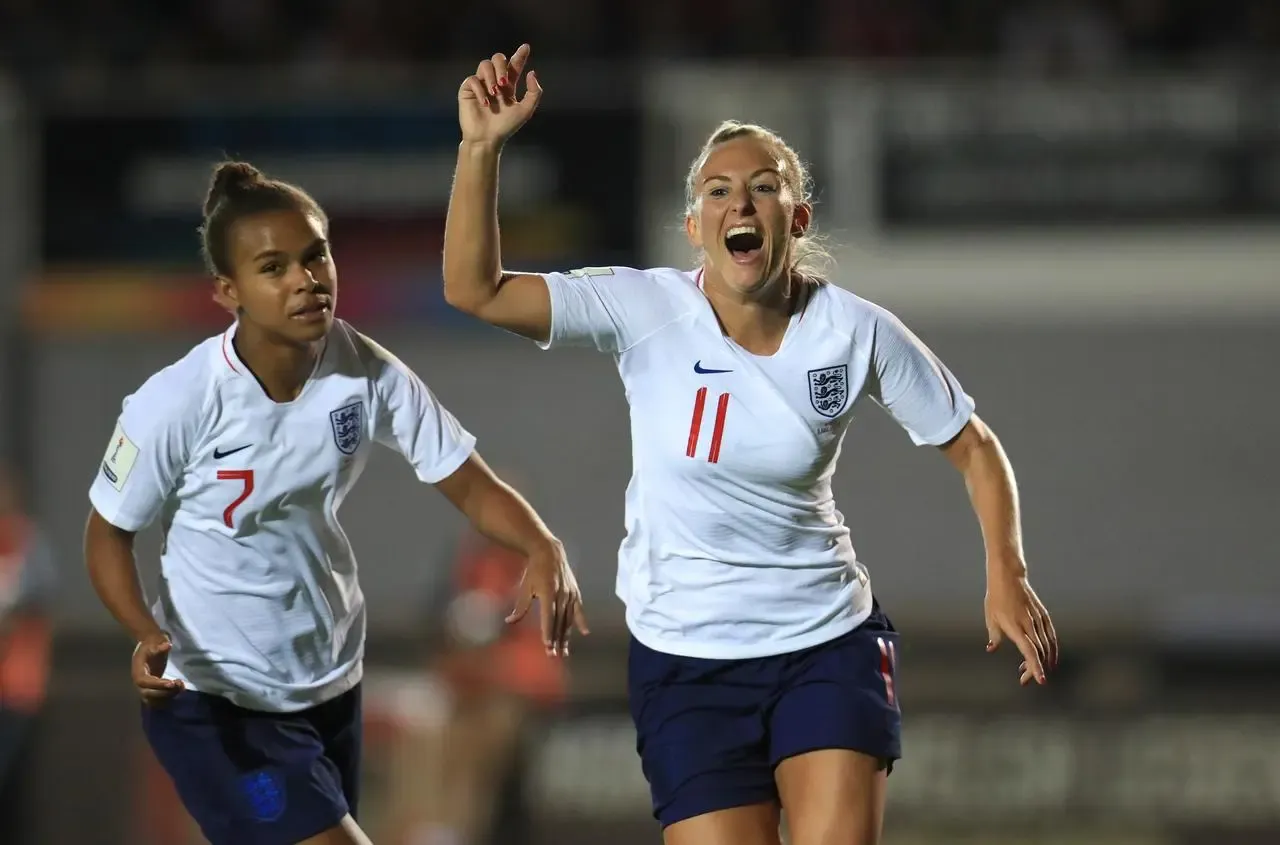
{"x": 258, "y": 583}
{"x": 734, "y": 546}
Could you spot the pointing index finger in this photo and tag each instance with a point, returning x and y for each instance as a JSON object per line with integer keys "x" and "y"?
{"x": 519, "y": 59}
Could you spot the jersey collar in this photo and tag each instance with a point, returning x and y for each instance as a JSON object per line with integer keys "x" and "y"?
{"x": 232, "y": 360}
{"x": 229, "y": 355}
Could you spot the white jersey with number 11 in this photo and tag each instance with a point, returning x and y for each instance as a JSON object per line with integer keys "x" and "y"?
{"x": 734, "y": 546}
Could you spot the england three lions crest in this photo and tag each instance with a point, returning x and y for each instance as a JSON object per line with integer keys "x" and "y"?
{"x": 348, "y": 427}
{"x": 829, "y": 389}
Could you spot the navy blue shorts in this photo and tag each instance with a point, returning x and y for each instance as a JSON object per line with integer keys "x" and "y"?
{"x": 253, "y": 778}
{"x": 710, "y": 732}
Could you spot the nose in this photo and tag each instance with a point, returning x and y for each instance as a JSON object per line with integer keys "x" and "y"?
{"x": 304, "y": 280}
{"x": 743, "y": 201}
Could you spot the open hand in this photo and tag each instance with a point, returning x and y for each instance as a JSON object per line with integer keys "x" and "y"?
{"x": 1014, "y": 610}
{"x": 549, "y": 579}
{"x": 488, "y": 110}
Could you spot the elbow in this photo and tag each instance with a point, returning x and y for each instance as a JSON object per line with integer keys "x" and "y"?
{"x": 457, "y": 297}
{"x": 453, "y": 287}
{"x": 465, "y": 294}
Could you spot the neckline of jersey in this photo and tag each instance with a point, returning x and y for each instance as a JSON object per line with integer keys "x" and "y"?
{"x": 793, "y": 322}
{"x": 232, "y": 357}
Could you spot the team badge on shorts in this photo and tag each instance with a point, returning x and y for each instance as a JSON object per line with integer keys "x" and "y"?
{"x": 829, "y": 389}
{"x": 265, "y": 794}
{"x": 348, "y": 427}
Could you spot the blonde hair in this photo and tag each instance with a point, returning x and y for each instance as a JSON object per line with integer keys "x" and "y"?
{"x": 809, "y": 257}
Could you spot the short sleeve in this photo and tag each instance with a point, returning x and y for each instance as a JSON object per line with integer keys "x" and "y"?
{"x": 409, "y": 419}
{"x": 147, "y": 452}
{"x": 909, "y": 382}
{"x": 610, "y": 308}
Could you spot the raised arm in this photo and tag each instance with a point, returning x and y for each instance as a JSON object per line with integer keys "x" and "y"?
{"x": 474, "y": 282}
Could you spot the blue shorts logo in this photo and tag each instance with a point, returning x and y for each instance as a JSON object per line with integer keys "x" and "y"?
{"x": 265, "y": 793}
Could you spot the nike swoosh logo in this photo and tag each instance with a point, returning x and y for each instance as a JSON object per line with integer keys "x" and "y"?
{"x": 698, "y": 368}
{"x": 219, "y": 455}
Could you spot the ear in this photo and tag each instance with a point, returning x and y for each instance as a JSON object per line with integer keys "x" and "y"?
{"x": 693, "y": 232}
{"x": 800, "y": 219}
{"x": 226, "y": 295}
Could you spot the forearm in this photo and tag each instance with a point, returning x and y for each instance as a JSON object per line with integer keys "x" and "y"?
{"x": 114, "y": 575}
{"x": 501, "y": 514}
{"x": 993, "y": 493}
{"x": 472, "y": 252}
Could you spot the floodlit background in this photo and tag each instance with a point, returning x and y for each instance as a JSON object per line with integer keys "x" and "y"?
{"x": 1074, "y": 202}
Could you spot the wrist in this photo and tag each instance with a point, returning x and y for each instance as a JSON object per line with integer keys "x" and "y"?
{"x": 1006, "y": 566}
{"x": 545, "y": 547}
{"x": 147, "y": 633}
{"x": 479, "y": 150}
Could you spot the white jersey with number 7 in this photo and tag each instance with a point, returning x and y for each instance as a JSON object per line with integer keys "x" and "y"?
{"x": 258, "y": 585}
{"x": 734, "y": 547}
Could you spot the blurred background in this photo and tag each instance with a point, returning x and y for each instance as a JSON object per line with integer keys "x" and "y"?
{"x": 1076, "y": 203}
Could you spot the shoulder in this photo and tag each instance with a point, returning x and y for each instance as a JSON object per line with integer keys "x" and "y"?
{"x": 653, "y": 282}
{"x": 679, "y": 284}
{"x": 182, "y": 390}
{"x": 845, "y": 304}
{"x": 849, "y": 313}
{"x": 357, "y": 352}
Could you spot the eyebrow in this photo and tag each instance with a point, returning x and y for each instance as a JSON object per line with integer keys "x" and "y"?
{"x": 762, "y": 170}
{"x": 318, "y": 243}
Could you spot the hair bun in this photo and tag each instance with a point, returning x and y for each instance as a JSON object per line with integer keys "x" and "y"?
{"x": 231, "y": 178}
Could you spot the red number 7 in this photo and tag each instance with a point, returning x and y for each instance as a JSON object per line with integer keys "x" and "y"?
{"x": 242, "y": 475}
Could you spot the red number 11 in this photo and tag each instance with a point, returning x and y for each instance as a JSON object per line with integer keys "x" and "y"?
{"x": 695, "y": 425}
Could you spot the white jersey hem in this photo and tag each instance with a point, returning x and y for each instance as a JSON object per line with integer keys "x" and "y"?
{"x": 680, "y": 647}
{"x": 294, "y": 701}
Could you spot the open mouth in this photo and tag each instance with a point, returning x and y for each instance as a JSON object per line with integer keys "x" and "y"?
{"x": 313, "y": 311}
{"x": 744, "y": 243}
